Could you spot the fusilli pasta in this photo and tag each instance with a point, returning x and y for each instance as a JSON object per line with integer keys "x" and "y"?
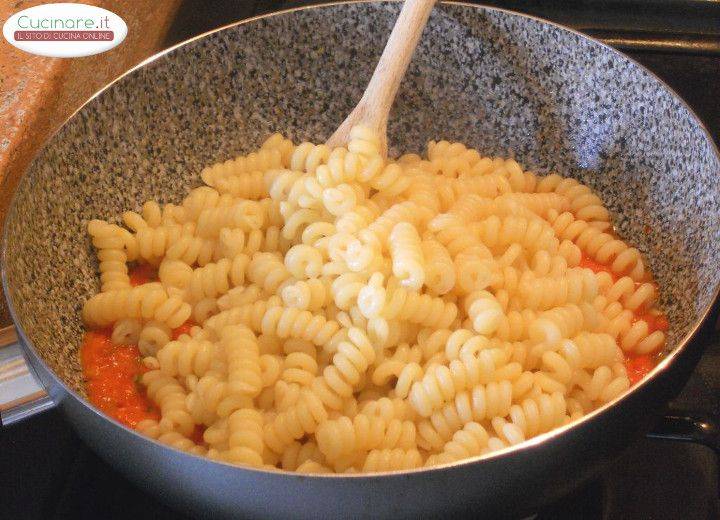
{"x": 342, "y": 311}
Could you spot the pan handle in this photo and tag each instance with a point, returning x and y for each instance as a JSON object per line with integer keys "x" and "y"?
{"x": 680, "y": 426}
{"x": 688, "y": 428}
{"x": 21, "y": 393}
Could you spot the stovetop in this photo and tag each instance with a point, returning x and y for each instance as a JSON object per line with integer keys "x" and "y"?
{"x": 47, "y": 472}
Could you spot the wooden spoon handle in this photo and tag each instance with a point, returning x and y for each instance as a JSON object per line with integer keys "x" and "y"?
{"x": 374, "y": 107}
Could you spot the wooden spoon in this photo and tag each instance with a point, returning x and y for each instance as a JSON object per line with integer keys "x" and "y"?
{"x": 374, "y": 107}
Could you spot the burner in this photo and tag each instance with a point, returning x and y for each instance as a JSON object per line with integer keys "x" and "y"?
{"x": 585, "y": 503}
{"x": 651, "y": 479}
{"x": 662, "y": 479}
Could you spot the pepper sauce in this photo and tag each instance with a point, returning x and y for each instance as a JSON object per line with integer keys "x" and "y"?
{"x": 638, "y": 366}
{"x": 111, "y": 375}
{"x": 112, "y": 372}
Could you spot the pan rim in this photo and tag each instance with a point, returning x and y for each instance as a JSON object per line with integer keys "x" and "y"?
{"x": 526, "y": 445}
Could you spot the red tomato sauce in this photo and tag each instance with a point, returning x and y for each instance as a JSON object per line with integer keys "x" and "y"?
{"x": 638, "y": 366}
{"x": 111, "y": 377}
{"x": 597, "y": 267}
{"x": 182, "y": 329}
{"x": 655, "y": 320}
{"x": 197, "y": 435}
{"x": 142, "y": 273}
{"x": 112, "y": 372}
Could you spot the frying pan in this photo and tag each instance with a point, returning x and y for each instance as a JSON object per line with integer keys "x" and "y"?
{"x": 501, "y": 82}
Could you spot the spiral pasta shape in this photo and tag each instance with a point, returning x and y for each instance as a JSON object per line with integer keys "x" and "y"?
{"x": 342, "y": 167}
{"x": 633, "y": 335}
{"x": 341, "y": 199}
{"x": 203, "y": 197}
{"x": 624, "y": 290}
{"x": 216, "y": 279}
{"x": 342, "y": 437}
{"x": 601, "y": 246}
{"x": 178, "y": 358}
{"x": 243, "y": 360}
{"x": 285, "y": 146}
{"x": 211, "y": 398}
{"x": 303, "y": 261}
{"x": 250, "y": 186}
{"x": 532, "y": 234}
{"x": 333, "y": 310}
{"x": 153, "y": 336}
{"x": 175, "y": 242}
{"x": 404, "y": 366}
{"x": 297, "y": 454}
{"x": 287, "y": 322}
{"x": 452, "y": 233}
{"x": 484, "y": 311}
{"x": 292, "y": 424}
{"x": 170, "y": 397}
{"x": 394, "y": 302}
{"x": 392, "y": 460}
{"x": 239, "y": 296}
{"x": 268, "y": 272}
{"x": 250, "y": 314}
{"x": 107, "y": 237}
{"x": 471, "y": 441}
{"x": 602, "y": 385}
{"x": 299, "y": 368}
{"x": 307, "y": 157}
{"x": 346, "y": 288}
{"x": 126, "y": 331}
{"x": 533, "y": 416}
{"x": 446, "y": 149}
{"x": 148, "y": 301}
{"x": 440, "y": 273}
{"x": 557, "y": 323}
{"x": 543, "y": 293}
{"x": 471, "y": 207}
{"x": 407, "y": 256}
{"x": 388, "y": 409}
{"x": 584, "y": 204}
{"x": 481, "y": 403}
{"x": 246, "y": 215}
{"x": 520, "y": 181}
{"x": 353, "y": 357}
{"x": 265, "y": 159}
{"x": 378, "y": 232}
{"x": 233, "y": 242}
{"x": 309, "y": 295}
{"x": 442, "y": 383}
{"x": 423, "y": 191}
{"x": 245, "y": 438}
{"x": 305, "y": 192}
{"x": 296, "y": 220}
{"x": 152, "y": 429}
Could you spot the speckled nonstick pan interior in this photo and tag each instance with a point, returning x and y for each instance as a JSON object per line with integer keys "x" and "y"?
{"x": 503, "y": 83}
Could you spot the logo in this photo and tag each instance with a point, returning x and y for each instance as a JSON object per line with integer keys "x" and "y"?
{"x": 65, "y": 30}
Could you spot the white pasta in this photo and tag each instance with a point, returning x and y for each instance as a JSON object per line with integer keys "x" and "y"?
{"x": 407, "y": 256}
{"x": 346, "y": 312}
